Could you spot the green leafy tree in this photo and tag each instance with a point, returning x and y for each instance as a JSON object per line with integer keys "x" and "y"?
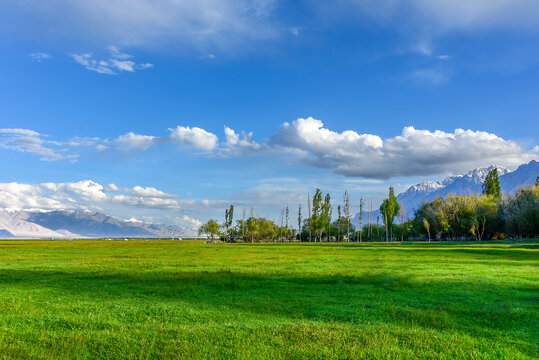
{"x": 229, "y": 218}
{"x": 347, "y": 213}
{"x": 389, "y": 208}
{"x": 317, "y": 221}
{"x": 210, "y": 229}
{"x": 520, "y": 212}
{"x": 327, "y": 211}
{"x": 339, "y": 223}
{"x": 491, "y": 186}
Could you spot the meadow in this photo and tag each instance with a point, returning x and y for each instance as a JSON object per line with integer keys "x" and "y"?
{"x": 186, "y": 299}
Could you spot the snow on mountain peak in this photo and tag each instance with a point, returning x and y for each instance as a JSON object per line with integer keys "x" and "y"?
{"x": 468, "y": 184}
{"x": 425, "y": 186}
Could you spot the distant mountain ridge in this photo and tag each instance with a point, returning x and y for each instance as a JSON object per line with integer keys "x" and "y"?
{"x": 78, "y": 224}
{"x": 88, "y": 224}
{"x": 464, "y": 184}
{"x": 468, "y": 184}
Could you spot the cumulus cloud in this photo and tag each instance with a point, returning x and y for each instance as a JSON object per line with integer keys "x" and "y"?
{"x": 135, "y": 141}
{"x": 194, "y": 137}
{"x": 239, "y": 144}
{"x": 32, "y": 142}
{"x": 149, "y": 192}
{"x": 413, "y": 153}
{"x": 112, "y": 188}
{"x": 117, "y": 62}
{"x": 242, "y": 139}
{"x": 188, "y": 221}
{"x": 147, "y": 202}
{"x": 234, "y": 144}
{"x": 86, "y": 194}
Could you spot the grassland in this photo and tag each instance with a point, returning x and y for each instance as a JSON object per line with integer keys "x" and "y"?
{"x": 186, "y": 299}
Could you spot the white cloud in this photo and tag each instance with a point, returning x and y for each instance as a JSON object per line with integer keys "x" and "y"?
{"x": 413, "y": 153}
{"x": 188, "y": 222}
{"x": 149, "y": 192}
{"x": 309, "y": 135}
{"x": 221, "y": 24}
{"x": 442, "y": 16}
{"x": 135, "y": 141}
{"x": 112, "y": 188}
{"x": 237, "y": 144}
{"x": 86, "y": 194}
{"x": 39, "y": 56}
{"x": 118, "y": 61}
{"x": 194, "y": 137}
{"x": 147, "y": 202}
{"x": 32, "y": 142}
{"x": 82, "y": 141}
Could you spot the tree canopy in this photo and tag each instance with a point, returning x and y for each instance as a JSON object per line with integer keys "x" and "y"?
{"x": 491, "y": 186}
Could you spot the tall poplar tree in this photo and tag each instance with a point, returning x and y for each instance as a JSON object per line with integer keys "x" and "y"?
{"x": 299, "y": 221}
{"x": 491, "y": 186}
{"x": 347, "y": 213}
{"x": 339, "y": 223}
{"x": 360, "y": 218}
{"x": 389, "y": 208}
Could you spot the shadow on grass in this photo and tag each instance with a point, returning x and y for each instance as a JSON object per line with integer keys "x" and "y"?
{"x": 479, "y": 309}
{"x": 512, "y": 252}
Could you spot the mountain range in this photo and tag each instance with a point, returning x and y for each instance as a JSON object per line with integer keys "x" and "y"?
{"x": 89, "y": 224}
{"x": 465, "y": 184}
{"x": 79, "y": 224}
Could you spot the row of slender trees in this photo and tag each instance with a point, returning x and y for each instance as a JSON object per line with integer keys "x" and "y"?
{"x": 489, "y": 215}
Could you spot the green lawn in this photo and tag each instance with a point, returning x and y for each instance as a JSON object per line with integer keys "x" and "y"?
{"x": 186, "y": 299}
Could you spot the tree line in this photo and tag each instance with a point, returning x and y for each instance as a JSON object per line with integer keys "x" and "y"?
{"x": 478, "y": 217}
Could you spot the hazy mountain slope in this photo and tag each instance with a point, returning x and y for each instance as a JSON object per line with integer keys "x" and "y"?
{"x": 16, "y": 224}
{"x": 525, "y": 175}
{"x": 465, "y": 184}
{"x": 4, "y": 234}
{"x": 78, "y": 223}
{"x": 86, "y": 223}
{"x": 468, "y": 184}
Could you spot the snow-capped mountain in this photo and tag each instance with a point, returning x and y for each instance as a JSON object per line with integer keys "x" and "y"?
{"x": 464, "y": 184}
{"x": 468, "y": 184}
{"x": 79, "y": 224}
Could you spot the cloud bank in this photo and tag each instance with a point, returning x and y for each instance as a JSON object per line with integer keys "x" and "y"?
{"x": 231, "y": 25}
{"x": 85, "y": 195}
{"x": 442, "y": 16}
{"x": 414, "y": 152}
{"x": 217, "y": 23}
{"x": 32, "y": 142}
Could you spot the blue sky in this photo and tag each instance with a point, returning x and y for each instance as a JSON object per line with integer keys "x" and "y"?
{"x": 352, "y": 94}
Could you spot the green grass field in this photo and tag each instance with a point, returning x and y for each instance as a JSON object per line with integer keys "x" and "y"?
{"x": 186, "y": 299}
